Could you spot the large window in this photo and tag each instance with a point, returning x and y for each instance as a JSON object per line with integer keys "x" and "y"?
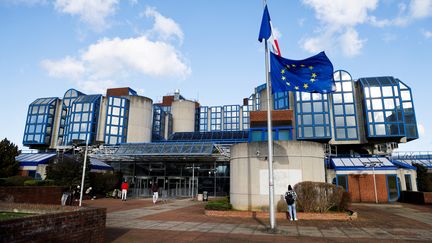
{"x": 69, "y": 97}
{"x": 281, "y": 100}
{"x": 215, "y": 118}
{"x": 116, "y": 120}
{"x": 203, "y": 119}
{"x": 408, "y": 110}
{"x": 245, "y": 117}
{"x": 40, "y": 119}
{"x": 312, "y": 116}
{"x": 384, "y": 113}
{"x": 344, "y": 109}
{"x": 84, "y": 119}
{"x": 279, "y": 133}
{"x": 231, "y": 118}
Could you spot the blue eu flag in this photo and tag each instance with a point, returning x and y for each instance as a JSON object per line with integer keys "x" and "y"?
{"x": 265, "y": 29}
{"x": 313, "y": 74}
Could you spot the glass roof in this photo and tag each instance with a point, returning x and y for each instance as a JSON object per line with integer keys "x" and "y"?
{"x": 378, "y": 81}
{"x": 87, "y": 98}
{"x": 163, "y": 149}
{"x": 425, "y": 162}
{"x": 44, "y": 101}
{"x": 362, "y": 162}
{"x": 35, "y": 158}
{"x": 221, "y": 136}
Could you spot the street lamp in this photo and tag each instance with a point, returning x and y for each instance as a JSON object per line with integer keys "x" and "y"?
{"x": 373, "y": 165}
{"x": 84, "y": 168}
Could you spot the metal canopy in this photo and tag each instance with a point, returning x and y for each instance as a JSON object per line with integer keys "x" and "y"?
{"x": 362, "y": 163}
{"x": 215, "y": 136}
{"x": 34, "y": 159}
{"x": 180, "y": 152}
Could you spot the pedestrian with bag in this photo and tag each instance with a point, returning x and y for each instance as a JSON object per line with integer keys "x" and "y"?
{"x": 290, "y": 199}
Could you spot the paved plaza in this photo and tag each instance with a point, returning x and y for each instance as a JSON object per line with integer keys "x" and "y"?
{"x": 138, "y": 220}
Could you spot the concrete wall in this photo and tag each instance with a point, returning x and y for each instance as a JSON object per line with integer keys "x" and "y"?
{"x": 294, "y": 161}
{"x": 140, "y": 120}
{"x": 183, "y": 112}
{"x": 56, "y": 125}
{"x": 102, "y": 119}
{"x": 401, "y": 174}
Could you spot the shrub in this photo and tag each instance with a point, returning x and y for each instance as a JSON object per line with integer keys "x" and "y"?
{"x": 320, "y": 197}
{"x": 345, "y": 201}
{"x": 103, "y": 183}
{"x": 39, "y": 183}
{"x": 16, "y": 180}
{"x": 220, "y": 205}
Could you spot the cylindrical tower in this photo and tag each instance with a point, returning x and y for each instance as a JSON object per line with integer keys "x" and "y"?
{"x": 140, "y": 119}
{"x": 183, "y": 112}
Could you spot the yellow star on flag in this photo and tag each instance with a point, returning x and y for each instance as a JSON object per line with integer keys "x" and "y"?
{"x": 302, "y": 65}
{"x": 287, "y": 67}
{"x": 296, "y": 87}
{"x": 310, "y": 67}
{"x": 312, "y": 80}
{"x": 288, "y": 83}
{"x": 283, "y": 78}
{"x": 283, "y": 71}
{"x": 293, "y": 65}
{"x": 314, "y": 75}
{"x": 305, "y": 86}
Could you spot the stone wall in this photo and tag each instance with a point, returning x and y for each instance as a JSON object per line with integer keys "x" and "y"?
{"x": 53, "y": 223}
{"x": 31, "y": 194}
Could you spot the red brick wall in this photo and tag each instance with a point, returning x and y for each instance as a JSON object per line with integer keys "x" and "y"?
{"x": 31, "y": 194}
{"x": 427, "y": 197}
{"x": 84, "y": 225}
{"x": 362, "y": 189}
{"x": 279, "y": 118}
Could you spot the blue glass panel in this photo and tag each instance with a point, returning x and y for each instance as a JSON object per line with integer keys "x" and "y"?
{"x": 116, "y": 122}
{"x": 39, "y": 122}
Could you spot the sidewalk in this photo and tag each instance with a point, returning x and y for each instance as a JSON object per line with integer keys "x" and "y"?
{"x": 184, "y": 221}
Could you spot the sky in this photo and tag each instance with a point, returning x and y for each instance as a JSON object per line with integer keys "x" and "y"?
{"x": 209, "y": 50}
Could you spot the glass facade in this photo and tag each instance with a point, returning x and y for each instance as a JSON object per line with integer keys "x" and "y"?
{"x": 312, "y": 116}
{"x": 158, "y": 122}
{"x": 279, "y": 133}
{"x": 344, "y": 108}
{"x": 69, "y": 97}
{"x": 84, "y": 119}
{"x": 231, "y": 118}
{"x": 116, "y": 120}
{"x": 408, "y": 110}
{"x": 245, "y": 117}
{"x": 40, "y": 122}
{"x": 203, "y": 119}
{"x": 384, "y": 113}
{"x": 215, "y": 118}
{"x": 281, "y": 101}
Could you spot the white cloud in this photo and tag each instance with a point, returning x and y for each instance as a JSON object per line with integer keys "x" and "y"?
{"x": 93, "y": 12}
{"x": 421, "y": 129}
{"x": 427, "y": 34}
{"x": 163, "y": 26}
{"x": 420, "y": 8}
{"x": 67, "y": 67}
{"x": 338, "y": 19}
{"x": 350, "y": 42}
{"x": 109, "y": 59}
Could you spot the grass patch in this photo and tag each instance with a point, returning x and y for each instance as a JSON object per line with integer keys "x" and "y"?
{"x": 219, "y": 205}
{"x": 13, "y": 215}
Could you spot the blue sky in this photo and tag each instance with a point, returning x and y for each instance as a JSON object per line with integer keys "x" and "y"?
{"x": 207, "y": 49}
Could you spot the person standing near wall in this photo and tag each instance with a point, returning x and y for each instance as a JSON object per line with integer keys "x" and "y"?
{"x": 155, "y": 190}
{"x": 124, "y": 189}
{"x": 290, "y": 199}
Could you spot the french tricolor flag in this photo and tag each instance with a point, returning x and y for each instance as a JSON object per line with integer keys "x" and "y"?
{"x": 266, "y": 31}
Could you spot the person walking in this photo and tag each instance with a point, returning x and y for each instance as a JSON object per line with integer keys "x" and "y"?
{"x": 124, "y": 189}
{"x": 290, "y": 199}
{"x": 155, "y": 190}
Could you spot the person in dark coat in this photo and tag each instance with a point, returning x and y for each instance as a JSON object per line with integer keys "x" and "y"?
{"x": 290, "y": 199}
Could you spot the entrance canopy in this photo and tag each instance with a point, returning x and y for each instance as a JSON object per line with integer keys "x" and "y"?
{"x": 182, "y": 151}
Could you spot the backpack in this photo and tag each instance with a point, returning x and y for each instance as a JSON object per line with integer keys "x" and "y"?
{"x": 289, "y": 198}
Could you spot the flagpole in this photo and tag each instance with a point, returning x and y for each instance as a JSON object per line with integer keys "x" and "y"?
{"x": 270, "y": 142}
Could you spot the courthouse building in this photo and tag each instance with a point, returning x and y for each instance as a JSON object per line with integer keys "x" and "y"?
{"x": 344, "y": 138}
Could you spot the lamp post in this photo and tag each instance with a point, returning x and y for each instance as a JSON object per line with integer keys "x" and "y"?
{"x": 373, "y": 165}
{"x": 83, "y": 173}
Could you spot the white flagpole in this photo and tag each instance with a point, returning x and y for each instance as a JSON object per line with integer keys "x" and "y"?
{"x": 270, "y": 142}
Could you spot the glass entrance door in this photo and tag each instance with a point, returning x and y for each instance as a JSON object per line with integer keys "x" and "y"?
{"x": 142, "y": 186}
{"x": 393, "y": 188}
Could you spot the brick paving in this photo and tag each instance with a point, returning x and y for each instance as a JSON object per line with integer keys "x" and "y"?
{"x": 138, "y": 220}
